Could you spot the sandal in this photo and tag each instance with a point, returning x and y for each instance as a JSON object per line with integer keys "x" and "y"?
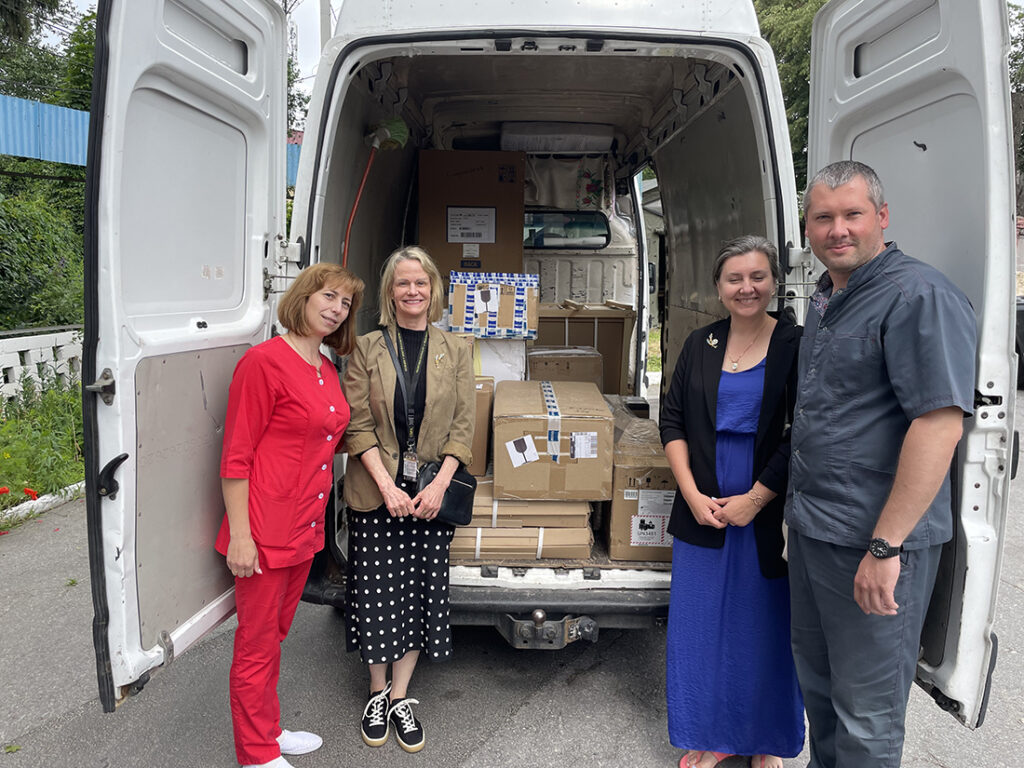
{"x": 719, "y": 756}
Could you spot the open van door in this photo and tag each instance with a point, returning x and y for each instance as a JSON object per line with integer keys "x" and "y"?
{"x": 185, "y": 197}
{"x": 918, "y": 90}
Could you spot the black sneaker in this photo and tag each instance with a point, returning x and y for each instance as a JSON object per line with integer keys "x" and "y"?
{"x": 375, "y": 719}
{"x": 408, "y": 730}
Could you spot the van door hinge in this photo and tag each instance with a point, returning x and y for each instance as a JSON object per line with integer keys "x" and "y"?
{"x": 800, "y": 257}
{"x": 104, "y": 387}
{"x": 288, "y": 252}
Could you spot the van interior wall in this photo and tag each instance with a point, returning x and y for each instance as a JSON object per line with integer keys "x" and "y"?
{"x": 713, "y": 189}
{"x": 377, "y": 228}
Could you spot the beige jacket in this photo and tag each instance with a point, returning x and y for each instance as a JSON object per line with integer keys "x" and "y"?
{"x": 448, "y": 419}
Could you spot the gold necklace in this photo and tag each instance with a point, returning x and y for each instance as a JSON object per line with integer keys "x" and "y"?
{"x": 736, "y": 360}
{"x": 302, "y": 354}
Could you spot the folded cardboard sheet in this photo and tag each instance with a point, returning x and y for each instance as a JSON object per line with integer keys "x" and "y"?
{"x": 489, "y": 512}
{"x": 522, "y": 543}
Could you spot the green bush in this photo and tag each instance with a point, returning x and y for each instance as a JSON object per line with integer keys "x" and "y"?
{"x": 40, "y": 440}
{"x": 40, "y": 265}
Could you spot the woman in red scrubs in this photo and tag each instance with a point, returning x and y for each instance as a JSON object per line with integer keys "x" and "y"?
{"x": 285, "y": 421}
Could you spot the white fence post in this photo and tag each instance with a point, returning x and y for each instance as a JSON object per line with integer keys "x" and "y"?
{"x": 51, "y": 353}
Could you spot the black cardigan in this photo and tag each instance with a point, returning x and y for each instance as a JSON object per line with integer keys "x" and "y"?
{"x": 688, "y": 414}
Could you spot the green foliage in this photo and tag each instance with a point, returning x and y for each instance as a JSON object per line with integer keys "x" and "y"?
{"x": 41, "y": 277}
{"x": 18, "y": 18}
{"x": 654, "y": 349}
{"x": 786, "y": 25}
{"x": 40, "y": 440}
{"x": 76, "y": 78}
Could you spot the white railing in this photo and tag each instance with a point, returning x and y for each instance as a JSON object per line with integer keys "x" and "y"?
{"x": 40, "y": 354}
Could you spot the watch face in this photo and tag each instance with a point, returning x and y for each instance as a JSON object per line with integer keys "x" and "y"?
{"x": 880, "y": 548}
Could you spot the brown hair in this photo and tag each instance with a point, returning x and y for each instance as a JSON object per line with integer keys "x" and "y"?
{"x": 387, "y": 284}
{"x": 291, "y": 310}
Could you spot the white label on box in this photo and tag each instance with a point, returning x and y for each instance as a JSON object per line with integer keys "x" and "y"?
{"x": 649, "y": 531}
{"x": 521, "y": 451}
{"x": 630, "y": 494}
{"x": 471, "y": 250}
{"x": 656, "y": 502}
{"x": 471, "y": 225}
{"x": 487, "y": 298}
{"x": 583, "y": 445}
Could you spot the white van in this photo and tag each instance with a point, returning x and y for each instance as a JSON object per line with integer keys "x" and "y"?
{"x": 186, "y": 247}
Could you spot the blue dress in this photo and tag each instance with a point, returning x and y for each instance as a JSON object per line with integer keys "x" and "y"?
{"x": 731, "y": 685}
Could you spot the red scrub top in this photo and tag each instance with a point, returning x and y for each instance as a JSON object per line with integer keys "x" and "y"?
{"x": 284, "y": 425}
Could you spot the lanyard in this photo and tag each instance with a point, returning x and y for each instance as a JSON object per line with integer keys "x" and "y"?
{"x": 411, "y": 380}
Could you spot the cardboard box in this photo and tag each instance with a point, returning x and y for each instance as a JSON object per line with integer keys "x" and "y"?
{"x": 482, "y": 426}
{"x": 471, "y": 209}
{"x": 566, "y": 364}
{"x": 493, "y": 304}
{"x": 489, "y": 512}
{"x": 552, "y": 440}
{"x": 644, "y": 488}
{"x": 607, "y": 327}
{"x": 522, "y": 543}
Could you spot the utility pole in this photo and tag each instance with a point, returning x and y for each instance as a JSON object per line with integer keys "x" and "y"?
{"x": 325, "y": 23}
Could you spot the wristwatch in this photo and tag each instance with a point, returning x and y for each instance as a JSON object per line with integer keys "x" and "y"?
{"x": 881, "y": 549}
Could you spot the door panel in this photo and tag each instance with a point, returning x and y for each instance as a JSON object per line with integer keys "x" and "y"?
{"x": 185, "y": 198}
{"x": 918, "y": 90}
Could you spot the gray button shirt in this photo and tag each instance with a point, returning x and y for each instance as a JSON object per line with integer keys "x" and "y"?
{"x": 897, "y": 342}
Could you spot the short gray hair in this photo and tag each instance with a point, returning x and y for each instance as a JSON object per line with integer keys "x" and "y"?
{"x": 843, "y": 172}
{"x": 745, "y": 244}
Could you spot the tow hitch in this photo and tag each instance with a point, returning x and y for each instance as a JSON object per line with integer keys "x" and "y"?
{"x": 540, "y": 632}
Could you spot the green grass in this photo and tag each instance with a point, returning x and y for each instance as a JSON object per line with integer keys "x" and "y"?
{"x": 654, "y": 349}
{"x": 40, "y": 441}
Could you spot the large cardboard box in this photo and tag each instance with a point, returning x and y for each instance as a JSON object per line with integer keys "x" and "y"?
{"x": 489, "y": 512}
{"x": 471, "y": 209}
{"x": 493, "y": 304}
{"x": 499, "y": 359}
{"x": 644, "y": 488}
{"x": 566, "y": 364}
{"x": 523, "y": 544}
{"x": 552, "y": 440}
{"x": 482, "y": 427}
{"x": 607, "y": 327}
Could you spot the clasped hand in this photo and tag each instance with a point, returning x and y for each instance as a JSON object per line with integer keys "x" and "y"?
{"x": 424, "y": 505}
{"x": 720, "y": 512}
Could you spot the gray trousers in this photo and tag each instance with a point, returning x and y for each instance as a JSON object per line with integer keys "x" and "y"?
{"x": 855, "y": 670}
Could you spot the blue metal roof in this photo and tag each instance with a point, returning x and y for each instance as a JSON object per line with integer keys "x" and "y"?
{"x": 61, "y": 135}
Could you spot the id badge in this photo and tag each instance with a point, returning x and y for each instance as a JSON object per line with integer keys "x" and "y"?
{"x": 409, "y": 470}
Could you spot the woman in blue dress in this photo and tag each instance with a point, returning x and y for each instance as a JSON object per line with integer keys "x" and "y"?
{"x": 731, "y": 685}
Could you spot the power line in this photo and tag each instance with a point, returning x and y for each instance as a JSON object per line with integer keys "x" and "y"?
{"x": 32, "y": 14}
{"x": 41, "y": 87}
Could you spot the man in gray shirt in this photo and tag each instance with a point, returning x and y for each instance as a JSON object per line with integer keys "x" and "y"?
{"x": 886, "y": 374}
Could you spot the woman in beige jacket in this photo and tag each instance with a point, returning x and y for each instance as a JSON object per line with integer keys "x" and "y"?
{"x": 397, "y": 598}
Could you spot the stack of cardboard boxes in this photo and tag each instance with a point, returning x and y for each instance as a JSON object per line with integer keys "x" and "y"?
{"x": 540, "y": 409}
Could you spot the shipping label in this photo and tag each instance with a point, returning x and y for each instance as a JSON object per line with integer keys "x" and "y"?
{"x": 583, "y": 445}
{"x": 471, "y": 225}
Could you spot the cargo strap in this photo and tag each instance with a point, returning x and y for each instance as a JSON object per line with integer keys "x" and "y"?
{"x": 540, "y": 542}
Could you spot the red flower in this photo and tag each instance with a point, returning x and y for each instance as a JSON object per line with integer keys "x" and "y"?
{"x": 4, "y": 533}
{"x": 31, "y": 494}
{"x": 5, "y": 489}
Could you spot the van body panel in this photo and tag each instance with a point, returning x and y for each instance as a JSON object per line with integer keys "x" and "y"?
{"x": 918, "y": 90}
{"x": 360, "y": 19}
{"x": 186, "y": 179}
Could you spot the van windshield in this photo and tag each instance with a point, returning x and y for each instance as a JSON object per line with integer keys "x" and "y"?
{"x": 565, "y": 229}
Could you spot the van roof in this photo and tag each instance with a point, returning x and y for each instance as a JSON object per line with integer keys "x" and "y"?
{"x": 367, "y": 18}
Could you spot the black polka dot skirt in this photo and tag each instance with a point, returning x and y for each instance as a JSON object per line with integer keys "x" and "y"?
{"x": 397, "y": 592}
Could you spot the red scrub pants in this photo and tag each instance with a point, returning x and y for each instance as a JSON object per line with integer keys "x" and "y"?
{"x": 266, "y": 605}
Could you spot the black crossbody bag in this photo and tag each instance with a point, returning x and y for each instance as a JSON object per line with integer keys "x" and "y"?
{"x": 457, "y": 504}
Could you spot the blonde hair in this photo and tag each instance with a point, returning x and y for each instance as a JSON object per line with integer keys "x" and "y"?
{"x": 291, "y": 311}
{"x": 387, "y": 284}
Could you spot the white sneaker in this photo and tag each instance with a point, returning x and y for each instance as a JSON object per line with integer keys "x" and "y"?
{"x": 277, "y": 762}
{"x": 298, "y": 742}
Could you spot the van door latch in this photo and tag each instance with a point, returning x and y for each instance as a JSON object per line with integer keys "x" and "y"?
{"x": 106, "y": 484}
{"x": 104, "y": 387}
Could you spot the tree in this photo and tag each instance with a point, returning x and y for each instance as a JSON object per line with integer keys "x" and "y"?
{"x": 18, "y": 18}
{"x": 297, "y": 99}
{"x": 1016, "y": 65}
{"x": 786, "y": 25}
{"x": 76, "y": 78}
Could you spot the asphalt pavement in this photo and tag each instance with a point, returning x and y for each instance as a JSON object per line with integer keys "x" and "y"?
{"x": 491, "y": 707}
